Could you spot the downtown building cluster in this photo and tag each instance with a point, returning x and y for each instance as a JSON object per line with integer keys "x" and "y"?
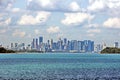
{"x": 62, "y": 45}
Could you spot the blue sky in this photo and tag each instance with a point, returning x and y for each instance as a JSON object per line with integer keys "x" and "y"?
{"x": 23, "y": 20}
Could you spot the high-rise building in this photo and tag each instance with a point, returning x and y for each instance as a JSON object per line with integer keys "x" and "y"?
{"x": 116, "y": 45}
{"x": 65, "y": 41}
{"x": 33, "y": 44}
{"x": 65, "y": 44}
{"x": 41, "y": 43}
{"x": 60, "y": 44}
{"x": 80, "y": 46}
{"x": 104, "y": 46}
{"x": 85, "y": 46}
{"x": 90, "y": 46}
{"x": 36, "y": 43}
{"x": 12, "y": 46}
{"x": 74, "y": 45}
{"x": 16, "y": 45}
{"x": 68, "y": 45}
{"x": 98, "y": 48}
{"x": 51, "y": 44}
{"x": 23, "y": 46}
{"x": 40, "y": 39}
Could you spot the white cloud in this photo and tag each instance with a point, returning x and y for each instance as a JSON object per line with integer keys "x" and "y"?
{"x": 5, "y": 22}
{"x": 15, "y": 10}
{"x": 76, "y": 18}
{"x": 94, "y": 31}
{"x": 19, "y": 33}
{"x": 53, "y": 5}
{"x": 41, "y": 17}
{"x": 112, "y": 23}
{"x": 53, "y": 29}
{"x": 42, "y": 4}
{"x": 6, "y": 3}
{"x": 98, "y": 5}
{"x": 74, "y": 6}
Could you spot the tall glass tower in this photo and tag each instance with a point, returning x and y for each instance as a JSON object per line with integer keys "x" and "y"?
{"x": 40, "y": 39}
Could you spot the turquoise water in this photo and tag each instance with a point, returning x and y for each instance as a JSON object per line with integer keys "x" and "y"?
{"x": 59, "y": 66}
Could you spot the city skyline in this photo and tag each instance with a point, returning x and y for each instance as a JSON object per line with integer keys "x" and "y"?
{"x": 61, "y": 45}
{"x": 23, "y": 20}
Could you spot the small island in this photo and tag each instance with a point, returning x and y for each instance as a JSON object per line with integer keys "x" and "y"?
{"x": 111, "y": 50}
{"x": 3, "y": 50}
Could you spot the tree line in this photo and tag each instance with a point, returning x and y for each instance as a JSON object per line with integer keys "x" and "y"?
{"x": 111, "y": 50}
{"x": 3, "y": 50}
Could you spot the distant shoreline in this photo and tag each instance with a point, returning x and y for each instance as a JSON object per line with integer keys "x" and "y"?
{"x": 110, "y": 50}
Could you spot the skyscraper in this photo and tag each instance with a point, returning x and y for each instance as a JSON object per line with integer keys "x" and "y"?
{"x": 51, "y": 44}
{"x": 80, "y": 46}
{"x": 65, "y": 44}
{"x": 116, "y": 45}
{"x": 12, "y": 46}
{"x": 16, "y": 45}
{"x": 90, "y": 46}
{"x": 36, "y": 44}
{"x": 33, "y": 44}
{"x": 40, "y": 43}
{"x": 40, "y": 39}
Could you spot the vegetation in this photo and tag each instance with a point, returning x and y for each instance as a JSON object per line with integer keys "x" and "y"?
{"x": 111, "y": 50}
{"x": 3, "y": 50}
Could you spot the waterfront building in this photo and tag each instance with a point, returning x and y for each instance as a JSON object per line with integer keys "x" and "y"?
{"x": 40, "y": 39}
{"x": 36, "y": 44}
{"x": 51, "y": 44}
{"x": 33, "y": 44}
{"x": 16, "y": 45}
{"x": 80, "y": 46}
{"x": 12, "y": 45}
{"x": 98, "y": 48}
{"x": 116, "y": 45}
{"x": 104, "y": 46}
{"x": 90, "y": 46}
{"x": 28, "y": 47}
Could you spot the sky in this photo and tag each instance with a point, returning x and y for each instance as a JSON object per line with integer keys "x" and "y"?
{"x": 23, "y": 20}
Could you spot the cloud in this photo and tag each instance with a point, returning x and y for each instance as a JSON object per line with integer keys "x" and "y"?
{"x": 19, "y": 33}
{"x": 14, "y": 10}
{"x": 53, "y": 5}
{"x": 74, "y": 6}
{"x": 4, "y": 22}
{"x": 103, "y": 5}
{"x": 96, "y": 5}
{"x": 76, "y": 18}
{"x": 112, "y": 23}
{"x": 94, "y": 31}
{"x": 41, "y": 17}
{"x": 53, "y": 29}
{"x": 40, "y": 4}
{"x": 6, "y": 4}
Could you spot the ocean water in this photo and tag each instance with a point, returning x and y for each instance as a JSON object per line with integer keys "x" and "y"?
{"x": 59, "y": 66}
